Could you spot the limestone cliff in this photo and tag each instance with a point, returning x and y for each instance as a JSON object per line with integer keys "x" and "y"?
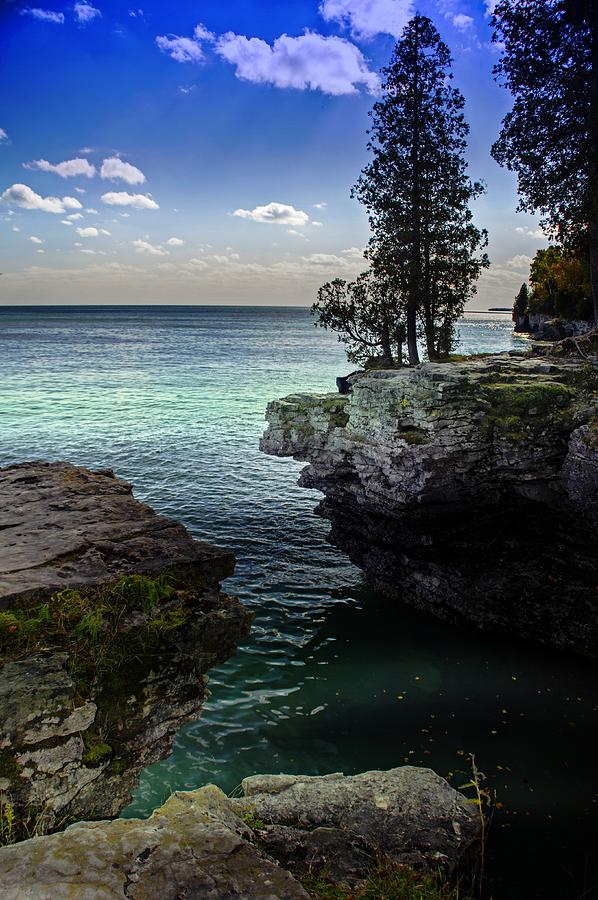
{"x": 468, "y": 488}
{"x": 110, "y": 618}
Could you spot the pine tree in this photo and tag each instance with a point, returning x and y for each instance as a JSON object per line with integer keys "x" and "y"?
{"x": 522, "y": 300}
{"x": 417, "y": 191}
{"x": 550, "y": 137}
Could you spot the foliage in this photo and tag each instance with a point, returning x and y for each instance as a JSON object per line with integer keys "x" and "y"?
{"x": 253, "y": 821}
{"x": 560, "y": 283}
{"x": 386, "y": 881}
{"x": 522, "y": 301}
{"x": 90, "y": 624}
{"x": 367, "y": 315}
{"x": 550, "y": 137}
{"x": 417, "y": 191}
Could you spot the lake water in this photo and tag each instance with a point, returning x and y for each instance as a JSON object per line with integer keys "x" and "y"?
{"x": 333, "y": 677}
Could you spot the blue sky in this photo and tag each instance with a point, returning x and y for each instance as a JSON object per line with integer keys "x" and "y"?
{"x": 204, "y": 152}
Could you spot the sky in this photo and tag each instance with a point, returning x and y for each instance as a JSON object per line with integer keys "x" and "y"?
{"x": 204, "y": 152}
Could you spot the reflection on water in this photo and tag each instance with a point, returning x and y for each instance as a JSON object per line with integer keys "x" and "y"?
{"x": 332, "y": 677}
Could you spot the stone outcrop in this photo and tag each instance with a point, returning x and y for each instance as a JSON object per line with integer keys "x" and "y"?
{"x": 467, "y": 488}
{"x": 201, "y": 844}
{"x": 111, "y": 617}
{"x": 65, "y": 526}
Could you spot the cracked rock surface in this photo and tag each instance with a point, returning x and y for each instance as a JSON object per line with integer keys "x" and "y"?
{"x": 466, "y": 488}
{"x": 198, "y": 845}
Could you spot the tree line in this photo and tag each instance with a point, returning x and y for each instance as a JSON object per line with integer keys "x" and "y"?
{"x": 425, "y": 253}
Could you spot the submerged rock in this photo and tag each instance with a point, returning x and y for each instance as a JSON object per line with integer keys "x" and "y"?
{"x": 201, "y": 844}
{"x": 106, "y": 638}
{"x": 466, "y": 488}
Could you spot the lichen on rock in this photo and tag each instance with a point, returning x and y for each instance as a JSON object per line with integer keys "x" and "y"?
{"x": 468, "y": 487}
{"x": 104, "y": 648}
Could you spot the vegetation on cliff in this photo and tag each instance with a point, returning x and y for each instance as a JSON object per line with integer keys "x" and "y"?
{"x": 425, "y": 252}
{"x": 549, "y": 139}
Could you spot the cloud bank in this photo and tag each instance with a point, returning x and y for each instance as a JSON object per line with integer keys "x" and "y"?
{"x": 23, "y": 196}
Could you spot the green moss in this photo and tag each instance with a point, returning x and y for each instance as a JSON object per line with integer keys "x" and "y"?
{"x": 96, "y": 753}
{"x": 253, "y": 821}
{"x": 387, "y": 881}
{"x": 9, "y": 767}
{"x": 522, "y": 407}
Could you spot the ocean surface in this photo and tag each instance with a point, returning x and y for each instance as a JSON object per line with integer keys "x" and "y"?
{"x": 333, "y": 677}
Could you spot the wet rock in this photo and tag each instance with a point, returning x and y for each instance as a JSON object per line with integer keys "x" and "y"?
{"x": 457, "y": 488}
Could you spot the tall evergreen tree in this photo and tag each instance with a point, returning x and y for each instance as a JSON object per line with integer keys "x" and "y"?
{"x": 417, "y": 191}
{"x": 550, "y": 137}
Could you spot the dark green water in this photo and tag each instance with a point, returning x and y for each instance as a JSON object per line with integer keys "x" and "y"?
{"x": 332, "y": 678}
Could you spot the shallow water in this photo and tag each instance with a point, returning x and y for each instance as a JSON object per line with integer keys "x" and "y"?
{"x": 332, "y": 678}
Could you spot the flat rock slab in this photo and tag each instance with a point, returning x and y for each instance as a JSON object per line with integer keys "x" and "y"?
{"x": 340, "y": 823}
{"x": 201, "y": 844}
{"x": 193, "y": 846}
{"x": 64, "y": 526}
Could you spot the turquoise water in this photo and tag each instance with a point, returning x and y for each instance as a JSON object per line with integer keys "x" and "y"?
{"x": 332, "y": 677}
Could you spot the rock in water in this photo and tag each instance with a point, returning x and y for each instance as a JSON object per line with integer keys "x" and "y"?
{"x": 110, "y": 618}
{"x": 200, "y": 844}
{"x": 465, "y": 488}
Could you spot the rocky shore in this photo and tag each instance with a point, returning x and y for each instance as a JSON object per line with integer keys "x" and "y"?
{"x": 467, "y": 488}
{"x": 256, "y": 847}
{"x": 110, "y": 618}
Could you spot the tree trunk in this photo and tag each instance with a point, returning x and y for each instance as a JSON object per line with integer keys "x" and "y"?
{"x": 386, "y": 345}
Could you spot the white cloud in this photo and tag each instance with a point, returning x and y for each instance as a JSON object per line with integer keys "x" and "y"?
{"x": 115, "y": 168}
{"x": 317, "y": 224}
{"x": 35, "y": 240}
{"x": 310, "y": 61}
{"x": 80, "y": 190}
{"x": 296, "y": 233}
{"x": 74, "y": 217}
{"x": 325, "y": 259}
{"x": 462, "y": 22}
{"x": 3, "y": 136}
{"x": 355, "y": 253}
{"x": 136, "y": 13}
{"x": 274, "y": 214}
{"x": 196, "y": 265}
{"x": 146, "y": 247}
{"x": 104, "y": 231}
{"x": 181, "y": 49}
{"x": 89, "y": 252}
{"x": 85, "y": 12}
{"x": 175, "y": 242}
{"x": 521, "y": 261}
{"x": 125, "y": 215}
{"x": 490, "y": 5}
{"x": 40, "y": 251}
{"x": 184, "y": 49}
{"x": 122, "y": 198}
{"x": 23, "y": 196}
{"x": 69, "y": 168}
{"x": 320, "y": 205}
{"x": 531, "y": 233}
{"x": 186, "y": 89}
{"x": 366, "y": 18}
{"x": 43, "y": 15}
{"x": 92, "y": 211}
{"x": 65, "y": 222}
{"x": 15, "y": 228}
{"x": 88, "y": 232}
